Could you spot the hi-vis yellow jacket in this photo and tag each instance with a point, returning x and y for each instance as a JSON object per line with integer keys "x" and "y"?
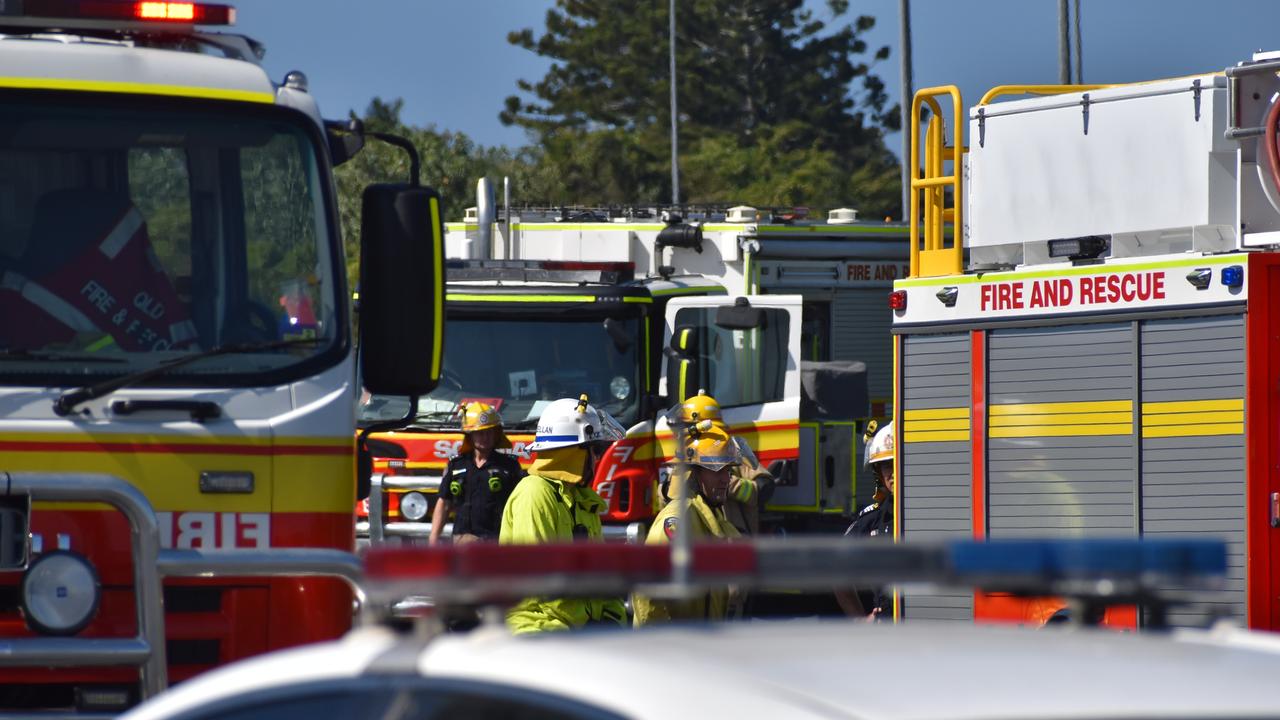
{"x": 545, "y": 510}
{"x": 707, "y": 522}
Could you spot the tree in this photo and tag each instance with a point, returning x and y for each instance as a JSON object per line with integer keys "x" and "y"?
{"x": 451, "y": 163}
{"x": 762, "y": 76}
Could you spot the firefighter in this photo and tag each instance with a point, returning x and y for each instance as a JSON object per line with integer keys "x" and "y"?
{"x": 554, "y": 504}
{"x": 478, "y": 480}
{"x": 711, "y": 459}
{"x": 874, "y": 521}
{"x": 750, "y": 484}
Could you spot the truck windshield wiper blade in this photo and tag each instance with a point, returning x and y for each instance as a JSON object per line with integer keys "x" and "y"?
{"x": 68, "y": 400}
{"x": 21, "y": 354}
{"x": 436, "y": 418}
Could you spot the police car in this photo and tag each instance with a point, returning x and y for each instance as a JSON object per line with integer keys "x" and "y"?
{"x": 792, "y": 669}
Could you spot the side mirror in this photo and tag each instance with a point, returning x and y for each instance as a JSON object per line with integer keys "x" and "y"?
{"x": 401, "y": 289}
{"x": 740, "y": 316}
{"x": 622, "y": 340}
{"x": 684, "y": 341}
{"x": 682, "y": 377}
{"x": 346, "y": 139}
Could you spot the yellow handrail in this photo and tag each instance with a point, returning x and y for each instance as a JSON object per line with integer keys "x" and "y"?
{"x": 1002, "y": 90}
{"x": 935, "y": 257}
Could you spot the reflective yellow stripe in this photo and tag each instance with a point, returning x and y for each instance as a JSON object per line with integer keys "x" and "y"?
{"x": 684, "y": 371}
{"x": 1193, "y": 430}
{"x": 1062, "y": 407}
{"x": 456, "y": 297}
{"x": 1087, "y": 418}
{"x": 936, "y": 425}
{"x": 709, "y": 290}
{"x": 103, "y": 342}
{"x": 1229, "y": 416}
{"x": 936, "y": 414}
{"x": 920, "y": 425}
{"x": 684, "y": 339}
{"x": 137, "y": 89}
{"x": 437, "y": 347}
{"x": 1065, "y": 419}
{"x": 912, "y": 436}
{"x": 1192, "y": 406}
{"x": 1191, "y": 418}
{"x": 636, "y": 299}
{"x": 1061, "y": 430}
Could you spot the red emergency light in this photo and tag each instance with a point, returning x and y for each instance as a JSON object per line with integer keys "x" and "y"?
{"x": 151, "y": 11}
{"x": 620, "y": 267}
{"x": 486, "y": 561}
{"x": 898, "y": 300}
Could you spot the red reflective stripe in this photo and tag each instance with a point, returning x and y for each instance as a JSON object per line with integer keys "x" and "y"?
{"x": 177, "y": 448}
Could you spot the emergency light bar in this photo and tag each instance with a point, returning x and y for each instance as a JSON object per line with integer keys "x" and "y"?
{"x": 109, "y": 14}
{"x": 480, "y": 573}
{"x": 606, "y": 273}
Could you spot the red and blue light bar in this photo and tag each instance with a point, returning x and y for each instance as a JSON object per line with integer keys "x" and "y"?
{"x": 483, "y": 573}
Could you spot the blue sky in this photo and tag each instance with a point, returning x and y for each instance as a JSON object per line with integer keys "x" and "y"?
{"x": 450, "y": 61}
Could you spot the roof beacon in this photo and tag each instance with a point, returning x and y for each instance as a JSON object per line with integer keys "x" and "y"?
{"x": 157, "y": 12}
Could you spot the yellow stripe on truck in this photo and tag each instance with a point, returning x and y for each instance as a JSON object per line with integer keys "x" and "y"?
{"x": 134, "y": 88}
{"x": 1191, "y": 418}
{"x": 296, "y": 480}
{"x": 936, "y": 425}
{"x": 1065, "y": 419}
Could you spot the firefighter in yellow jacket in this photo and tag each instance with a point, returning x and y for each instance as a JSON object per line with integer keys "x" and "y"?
{"x": 750, "y": 484}
{"x": 555, "y": 504}
{"x": 712, "y": 459}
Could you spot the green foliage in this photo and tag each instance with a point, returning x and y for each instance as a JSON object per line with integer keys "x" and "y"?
{"x": 451, "y": 163}
{"x": 773, "y": 104}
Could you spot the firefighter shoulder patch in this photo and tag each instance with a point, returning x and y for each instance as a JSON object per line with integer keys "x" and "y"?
{"x": 669, "y": 527}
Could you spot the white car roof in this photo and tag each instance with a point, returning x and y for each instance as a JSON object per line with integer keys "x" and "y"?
{"x": 812, "y": 668}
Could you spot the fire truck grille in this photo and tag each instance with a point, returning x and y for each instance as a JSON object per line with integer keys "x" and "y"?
{"x": 193, "y": 652}
{"x": 63, "y": 696}
{"x": 192, "y": 599}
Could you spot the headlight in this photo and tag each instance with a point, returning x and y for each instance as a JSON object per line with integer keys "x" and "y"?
{"x": 60, "y": 593}
{"x": 413, "y": 506}
{"x": 620, "y": 387}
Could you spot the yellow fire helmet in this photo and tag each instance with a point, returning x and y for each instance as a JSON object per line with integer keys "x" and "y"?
{"x": 481, "y": 416}
{"x": 699, "y": 407}
{"x": 713, "y": 450}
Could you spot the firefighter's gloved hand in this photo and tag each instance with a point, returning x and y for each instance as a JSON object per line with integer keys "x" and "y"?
{"x": 742, "y": 489}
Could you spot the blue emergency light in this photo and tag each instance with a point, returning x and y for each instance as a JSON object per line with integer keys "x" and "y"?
{"x": 1117, "y": 559}
{"x": 1233, "y": 276}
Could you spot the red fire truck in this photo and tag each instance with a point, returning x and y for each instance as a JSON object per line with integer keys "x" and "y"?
{"x": 177, "y": 373}
{"x": 1093, "y": 354}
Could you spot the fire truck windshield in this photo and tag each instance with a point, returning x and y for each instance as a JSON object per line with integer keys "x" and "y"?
{"x": 135, "y": 231}
{"x": 524, "y": 363}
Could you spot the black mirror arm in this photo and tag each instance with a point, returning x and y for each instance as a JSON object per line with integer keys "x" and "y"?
{"x": 415, "y": 163}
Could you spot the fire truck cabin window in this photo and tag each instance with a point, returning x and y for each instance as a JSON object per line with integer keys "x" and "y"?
{"x": 136, "y": 229}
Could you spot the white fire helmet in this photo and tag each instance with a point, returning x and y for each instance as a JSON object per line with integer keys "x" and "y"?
{"x": 880, "y": 447}
{"x": 568, "y": 422}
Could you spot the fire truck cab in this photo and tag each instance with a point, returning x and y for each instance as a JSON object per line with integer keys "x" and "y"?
{"x": 1093, "y": 353}
{"x": 174, "y": 328}
{"x": 642, "y": 296}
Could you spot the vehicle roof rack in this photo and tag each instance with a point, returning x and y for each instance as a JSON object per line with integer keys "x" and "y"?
{"x": 533, "y": 271}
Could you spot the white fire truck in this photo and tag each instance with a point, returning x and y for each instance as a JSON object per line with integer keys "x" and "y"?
{"x": 551, "y": 303}
{"x": 1094, "y": 352}
{"x": 177, "y": 375}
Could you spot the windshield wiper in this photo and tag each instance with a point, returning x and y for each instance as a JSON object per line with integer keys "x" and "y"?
{"x": 435, "y": 418}
{"x": 21, "y": 354}
{"x": 68, "y": 400}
